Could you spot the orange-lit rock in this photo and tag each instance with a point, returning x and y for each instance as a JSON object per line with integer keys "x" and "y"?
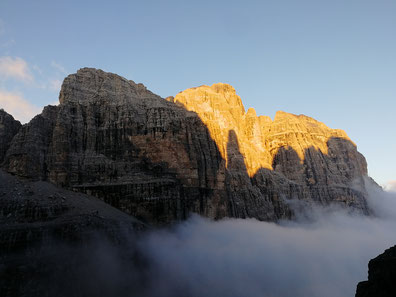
{"x": 260, "y": 138}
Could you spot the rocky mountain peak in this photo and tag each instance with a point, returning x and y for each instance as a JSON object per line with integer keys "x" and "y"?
{"x": 259, "y": 138}
{"x": 91, "y": 85}
{"x": 223, "y": 88}
{"x": 199, "y": 151}
{"x": 251, "y": 113}
{"x": 220, "y": 98}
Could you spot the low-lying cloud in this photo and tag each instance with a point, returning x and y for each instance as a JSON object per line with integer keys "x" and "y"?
{"x": 237, "y": 257}
{"x": 390, "y": 186}
{"x": 17, "y": 106}
{"x": 321, "y": 255}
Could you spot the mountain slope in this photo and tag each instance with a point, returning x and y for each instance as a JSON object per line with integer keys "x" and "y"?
{"x": 51, "y": 240}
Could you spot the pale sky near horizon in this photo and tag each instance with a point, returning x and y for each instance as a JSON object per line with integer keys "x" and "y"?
{"x": 332, "y": 60}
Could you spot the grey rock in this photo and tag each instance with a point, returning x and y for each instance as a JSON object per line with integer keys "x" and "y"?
{"x": 8, "y": 128}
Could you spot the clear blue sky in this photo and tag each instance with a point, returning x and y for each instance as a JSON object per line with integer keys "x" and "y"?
{"x": 332, "y": 60}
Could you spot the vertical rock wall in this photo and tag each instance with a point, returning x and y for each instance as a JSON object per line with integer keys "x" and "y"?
{"x": 160, "y": 160}
{"x": 8, "y": 128}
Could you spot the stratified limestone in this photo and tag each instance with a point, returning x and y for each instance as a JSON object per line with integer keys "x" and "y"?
{"x": 8, "y": 128}
{"x": 260, "y": 138}
{"x": 160, "y": 160}
{"x": 29, "y": 148}
{"x": 319, "y": 163}
{"x": 114, "y": 139}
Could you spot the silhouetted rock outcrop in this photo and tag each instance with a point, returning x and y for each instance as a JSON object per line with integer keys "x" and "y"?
{"x": 160, "y": 160}
{"x": 381, "y": 276}
{"x": 8, "y": 128}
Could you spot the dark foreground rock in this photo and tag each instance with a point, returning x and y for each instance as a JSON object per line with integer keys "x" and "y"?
{"x": 54, "y": 242}
{"x": 381, "y": 276}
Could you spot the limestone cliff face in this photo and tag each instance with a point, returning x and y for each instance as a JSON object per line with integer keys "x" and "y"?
{"x": 8, "y": 128}
{"x": 114, "y": 139}
{"x": 315, "y": 162}
{"x": 29, "y": 148}
{"x": 199, "y": 152}
{"x": 260, "y": 138}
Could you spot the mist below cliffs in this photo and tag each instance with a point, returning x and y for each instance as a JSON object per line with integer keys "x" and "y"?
{"x": 325, "y": 253}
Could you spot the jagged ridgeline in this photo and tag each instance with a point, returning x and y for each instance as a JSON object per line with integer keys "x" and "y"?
{"x": 198, "y": 152}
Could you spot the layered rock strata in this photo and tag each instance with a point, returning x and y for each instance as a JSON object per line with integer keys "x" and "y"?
{"x": 315, "y": 162}
{"x": 8, "y": 128}
{"x": 52, "y": 241}
{"x": 198, "y": 152}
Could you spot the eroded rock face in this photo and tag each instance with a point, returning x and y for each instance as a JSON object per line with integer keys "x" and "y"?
{"x": 8, "y": 128}
{"x": 199, "y": 152}
{"x": 381, "y": 276}
{"x": 314, "y": 162}
{"x": 28, "y": 152}
{"x": 114, "y": 139}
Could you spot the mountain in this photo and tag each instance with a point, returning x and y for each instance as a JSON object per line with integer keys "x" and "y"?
{"x": 198, "y": 152}
{"x": 381, "y": 276}
{"x": 158, "y": 160}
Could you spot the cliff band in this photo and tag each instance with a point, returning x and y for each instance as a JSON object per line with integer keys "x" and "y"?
{"x": 199, "y": 151}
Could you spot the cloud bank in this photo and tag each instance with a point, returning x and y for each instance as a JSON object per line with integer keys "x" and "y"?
{"x": 236, "y": 257}
{"x": 16, "y": 68}
{"x": 326, "y": 257}
{"x": 391, "y": 186}
{"x": 17, "y": 106}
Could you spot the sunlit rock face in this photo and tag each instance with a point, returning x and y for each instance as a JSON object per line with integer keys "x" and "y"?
{"x": 314, "y": 162}
{"x": 160, "y": 160}
{"x": 260, "y": 138}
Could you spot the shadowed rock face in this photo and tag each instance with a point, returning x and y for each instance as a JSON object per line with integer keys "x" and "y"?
{"x": 381, "y": 276}
{"x": 114, "y": 139}
{"x": 54, "y": 242}
{"x": 8, "y": 128}
{"x": 30, "y": 147}
{"x": 159, "y": 161}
